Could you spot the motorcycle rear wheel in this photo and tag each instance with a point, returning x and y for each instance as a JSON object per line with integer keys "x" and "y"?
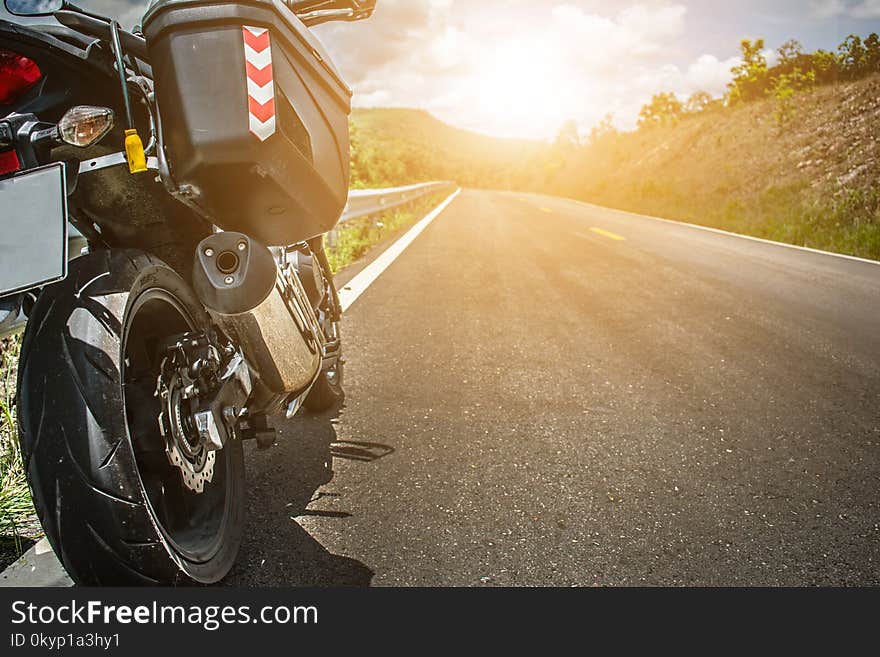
{"x": 114, "y": 509}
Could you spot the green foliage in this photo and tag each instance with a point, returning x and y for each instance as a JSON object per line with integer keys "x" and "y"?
{"x": 603, "y": 131}
{"x": 699, "y": 101}
{"x": 783, "y": 91}
{"x": 872, "y": 53}
{"x": 790, "y": 52}
{"x": 795, "y": 71}
{"x": 569, "y": 137}
{"x": 17, "y": 516}
{"x": 798, "y": 70}
{"x": 785, "y": 86}
{"x": 354, "y": 238}
{"x": 796, "y": 65}
{"x": 663, "y": 109}
{"x": 847, "y": 223}
{"x": 825, "y": 66}
{"x": 393, "y": 147}
{"x": 750, "y": 78}
{"x": 853, "y": 57}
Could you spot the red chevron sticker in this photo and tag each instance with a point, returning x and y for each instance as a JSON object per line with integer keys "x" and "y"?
{"x": 262, "y": 112}
{"x": 260, "y": 81}
{"x": 262, "y": 76}
{"x": 257, "y": 42}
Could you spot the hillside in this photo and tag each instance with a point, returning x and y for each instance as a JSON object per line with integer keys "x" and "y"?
{"x": 401, "y": 146}
{"x": 813, "y": 181}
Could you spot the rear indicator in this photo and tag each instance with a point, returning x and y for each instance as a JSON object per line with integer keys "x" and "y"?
{"x": 17, "y": 74}
{"x": 9, "y": 163}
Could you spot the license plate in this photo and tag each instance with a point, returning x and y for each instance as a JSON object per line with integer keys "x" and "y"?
{"x": 33, "y": 229}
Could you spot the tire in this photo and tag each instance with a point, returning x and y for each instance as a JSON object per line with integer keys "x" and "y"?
{"x": 88, "y": 462}
{"x": 327, "y": 391}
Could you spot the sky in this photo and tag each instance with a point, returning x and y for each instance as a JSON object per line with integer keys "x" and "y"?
{"x": 521, "y": 68}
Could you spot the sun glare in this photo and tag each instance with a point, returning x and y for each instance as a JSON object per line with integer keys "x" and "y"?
{"x": 523, "y": 85}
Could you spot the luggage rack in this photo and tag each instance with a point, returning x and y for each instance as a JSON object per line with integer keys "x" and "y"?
{"x": 315, "y": 12}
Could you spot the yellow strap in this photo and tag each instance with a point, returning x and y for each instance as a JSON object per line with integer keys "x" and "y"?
{"x": 134, "y": 149}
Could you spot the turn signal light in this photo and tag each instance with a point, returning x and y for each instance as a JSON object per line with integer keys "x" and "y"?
{"x": 85, "y": 125}
{"x": 17, "y": 74}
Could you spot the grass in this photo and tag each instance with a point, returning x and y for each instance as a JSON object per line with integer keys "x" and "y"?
{"x": 18, "y": 522}
{"x": 848, "y": 223}
{"x": 356, "y": 237}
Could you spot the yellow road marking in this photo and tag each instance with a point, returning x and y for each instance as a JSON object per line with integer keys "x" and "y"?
{"x": 608, "y": 234}
{"x": 547, "y": 210}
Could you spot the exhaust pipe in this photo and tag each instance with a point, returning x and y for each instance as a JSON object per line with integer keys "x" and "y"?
{"x": 269, "y": 314}
{"x": 233, "y": 274}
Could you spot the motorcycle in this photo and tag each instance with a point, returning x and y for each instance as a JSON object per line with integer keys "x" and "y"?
{"x": 164, "y": 193}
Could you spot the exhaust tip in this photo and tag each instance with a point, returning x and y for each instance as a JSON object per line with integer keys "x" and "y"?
{"x": 227, "y": 262}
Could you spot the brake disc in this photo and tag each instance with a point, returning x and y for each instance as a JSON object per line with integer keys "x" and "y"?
{"x": 183, "y": 447}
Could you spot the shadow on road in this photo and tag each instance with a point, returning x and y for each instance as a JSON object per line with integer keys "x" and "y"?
{"x": 355, "y": 451}
{"x": 283, "y": 481}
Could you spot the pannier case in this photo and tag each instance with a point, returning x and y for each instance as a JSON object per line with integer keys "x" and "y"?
{"x": 254, "y": 116}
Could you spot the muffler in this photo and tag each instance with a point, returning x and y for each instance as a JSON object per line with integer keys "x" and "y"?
{"x": 266, "y": 310}
{"x": 233, "y": 274}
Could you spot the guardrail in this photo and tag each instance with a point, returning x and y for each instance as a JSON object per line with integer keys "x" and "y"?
{"x": 364, "y": 202}
{"x": 361, "y": 203}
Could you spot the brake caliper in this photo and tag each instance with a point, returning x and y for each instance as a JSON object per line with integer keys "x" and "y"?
{"x": 203, "y": 385}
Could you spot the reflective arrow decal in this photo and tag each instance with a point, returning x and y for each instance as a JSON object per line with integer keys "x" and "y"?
{"x": 260, "y": 81}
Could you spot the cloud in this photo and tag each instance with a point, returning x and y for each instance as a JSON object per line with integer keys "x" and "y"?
{"x": 637, "y": 31}
{"x": 823, "y": 9}
{"x": 399, "y": 31}
{"x": 864, "y": 9}
{"x": 521, "y": 68}
{"x": 708, "y": 73}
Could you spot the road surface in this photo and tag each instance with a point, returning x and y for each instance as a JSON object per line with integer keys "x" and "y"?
{"x": 545, "y": 393}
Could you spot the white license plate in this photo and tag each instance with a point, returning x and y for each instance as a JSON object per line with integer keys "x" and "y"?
{"x": 33, "y": 229}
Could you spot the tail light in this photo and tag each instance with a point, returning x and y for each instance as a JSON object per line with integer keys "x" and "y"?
{"x": 9, "y": 163}
{"x": 17, "y": 74}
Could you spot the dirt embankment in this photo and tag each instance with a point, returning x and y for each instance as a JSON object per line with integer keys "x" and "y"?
{"x": 813, "y": 180}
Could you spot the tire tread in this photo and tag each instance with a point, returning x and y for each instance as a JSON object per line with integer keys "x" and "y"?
{"x": 80, "y": 463}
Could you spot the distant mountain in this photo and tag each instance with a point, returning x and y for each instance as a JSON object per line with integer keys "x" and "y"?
{"x": 401, "y": 146}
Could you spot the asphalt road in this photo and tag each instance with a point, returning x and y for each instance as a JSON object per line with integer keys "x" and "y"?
{"x": 532, "y": 401}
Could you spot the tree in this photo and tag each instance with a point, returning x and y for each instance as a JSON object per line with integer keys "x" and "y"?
{"x": 853, "y": 57}
{"x": 790, "y": 52}
{"x": 699, "y": 101}
{"x": 664, "y": 108}
{"x": 750, "y": 79}
{"x": 872, "y": 53}
{"x": 783, "y": 91}
{"x": 569, "y": 135}
{"x": 603, "y": 130}
{"x": 825, "y": 66}
{"x": 794, "y": 72}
